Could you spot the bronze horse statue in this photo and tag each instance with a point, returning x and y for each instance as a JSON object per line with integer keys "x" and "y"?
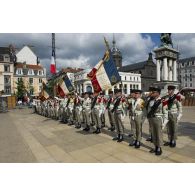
{"x": 166, "y": 39}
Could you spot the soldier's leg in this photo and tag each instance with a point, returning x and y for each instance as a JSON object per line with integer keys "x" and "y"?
{"x": 111, "y": 120}
{"x": 121, "y": 127}
{"x": 175, "y": 126}
{"x": 157, "y": 135}
{"x": 103, "y": 120}
{"x": 138, "y": 123}
{"x": 92, "y": 118}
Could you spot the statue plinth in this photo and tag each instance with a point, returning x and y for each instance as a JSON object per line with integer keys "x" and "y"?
{"x": 166, "y": 62}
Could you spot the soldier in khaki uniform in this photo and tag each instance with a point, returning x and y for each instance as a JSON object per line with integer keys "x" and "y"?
{"x": 78, "y": 110}
{"x": 109, "y": 107}
{"x": 130, "y": 102}
{"x": 137, "y": 116}
{"x": 158, "y": 116}
{"x": 71, "y": 110}
{"x": 174, "y": 115}
{"x": 65, "y": 109}
{"x": 148, "y": 100}
{"x": 95, "y": 110}
{"x": 118, "y": 110}
{"x": 87, "y": 111}
{"x": 91, "y": 95}
{"x": 102, "y": 108}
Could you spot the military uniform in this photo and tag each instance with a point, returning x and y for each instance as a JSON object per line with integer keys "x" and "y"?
{"x": 96, "y": 113}
{"x": 174, "y": 105}
{"x": 71, "y": 111}
{"x": 78, "y": 109}
{"x": 137, "y": 119}
{"x": 148, "y": 100}
{"x": 158, "y": 116}
{"x": 118, "y": 110}
{"x": 109, "y": 107}
{"x": 102, "y": 103}
{"x": 87, "y": 112}
{"x": 130, "y": 102}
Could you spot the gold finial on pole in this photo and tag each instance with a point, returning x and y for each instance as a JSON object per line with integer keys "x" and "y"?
{"x": 107, "y": 44}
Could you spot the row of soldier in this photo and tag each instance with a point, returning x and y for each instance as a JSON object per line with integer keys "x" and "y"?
{"x": 90, "y": 109}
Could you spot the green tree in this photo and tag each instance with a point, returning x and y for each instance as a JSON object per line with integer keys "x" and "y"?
{"x": 21, "y": 89}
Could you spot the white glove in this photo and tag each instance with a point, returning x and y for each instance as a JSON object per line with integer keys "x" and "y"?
{"x": 179, "y": 117}
{"x": 164, "y": 124}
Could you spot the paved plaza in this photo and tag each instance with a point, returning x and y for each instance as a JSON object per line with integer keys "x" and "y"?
{"x": 28, "y": 137}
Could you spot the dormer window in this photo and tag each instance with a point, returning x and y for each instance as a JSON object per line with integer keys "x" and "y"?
{"x": 6, "y": 58}
{"x": 40, "y": 72}
{"x": 30, "y": 72}
{"x": 19, "y": 71}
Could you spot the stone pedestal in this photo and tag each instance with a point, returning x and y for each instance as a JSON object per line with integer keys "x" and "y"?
{"x": 166, "y": 62}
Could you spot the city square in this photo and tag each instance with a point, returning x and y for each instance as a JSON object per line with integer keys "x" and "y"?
{"x": 28, "y": 137}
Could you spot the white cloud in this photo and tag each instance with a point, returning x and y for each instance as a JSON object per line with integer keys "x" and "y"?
{"x": 186, "y": 44}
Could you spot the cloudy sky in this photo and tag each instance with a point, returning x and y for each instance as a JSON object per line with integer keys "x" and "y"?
{"x": 85, "y": 50}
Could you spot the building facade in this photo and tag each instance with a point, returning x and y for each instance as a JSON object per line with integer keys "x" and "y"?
{"x": 147, "y": 69}
{"x": 186, "y": 72}
{"x": 6, "y": 71}
{"x": 29, "y": 69}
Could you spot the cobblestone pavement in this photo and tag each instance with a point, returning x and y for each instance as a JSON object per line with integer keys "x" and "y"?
{"x": 28, "y": 137}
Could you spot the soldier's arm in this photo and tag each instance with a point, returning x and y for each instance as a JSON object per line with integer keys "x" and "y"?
{"x": 179, "y": 107}
{"x": 165, "y": 114}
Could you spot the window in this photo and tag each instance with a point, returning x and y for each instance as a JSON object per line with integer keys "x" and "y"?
{"x": 190, "y": 84}
{"x": 125, "y": 89}
{"x": 19, "y": 71}
{"x": 40, "y": 88}
{"x": 31, "y": 81}
{"x": 125, "y": 78}
{"x": 40, "y": 72}
{"x": 6, "y": 58}
{"x": 134, "y": 78}
{"x": 130, "y": 78}
{"x": 30, "y": 72}
{"x": 130, "y": 86}
{"x": 7, "y": 89}
{"x": 7, "y": 79}
{"x": 6, "y": 68}
{"x": 31, "y": 91}
{"x": 40, "y": 80}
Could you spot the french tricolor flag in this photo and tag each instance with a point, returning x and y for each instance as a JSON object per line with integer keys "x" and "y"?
{"x": 105, "y": 74}
{"x": 53, "y": 65}
{"x": 65, "y": 86}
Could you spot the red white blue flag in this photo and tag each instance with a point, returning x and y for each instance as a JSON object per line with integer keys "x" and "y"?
{"x": 53, "y": 65}
{"x": 105, "y": 74}
{"x": 65, "y": 86}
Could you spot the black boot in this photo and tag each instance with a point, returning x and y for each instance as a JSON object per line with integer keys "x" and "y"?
{"x": 158, "y": 151}
{"x": 87, "y": 128}
{"x": 153, "y": 150}
{"x": 120, "y": 138}
{"x": 167, "y": 143}
{"x": 97, "y": 131}
{"x": 133, "y": 143}
{"x": 130, "y": 134}
{"x": 173, "y": 144}
{"x": 149, "y": 139}
{"x": 137, "y": 145}
{"x": 116, "y": 138}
